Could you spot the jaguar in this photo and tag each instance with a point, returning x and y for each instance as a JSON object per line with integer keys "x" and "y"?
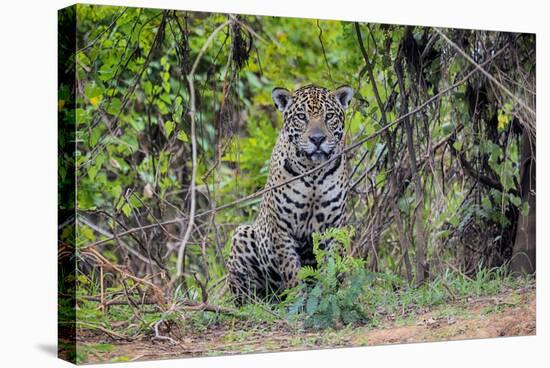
{"x": 265, "y": 256}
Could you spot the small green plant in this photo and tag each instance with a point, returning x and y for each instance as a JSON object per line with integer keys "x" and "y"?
{"x": 330, "y": 295}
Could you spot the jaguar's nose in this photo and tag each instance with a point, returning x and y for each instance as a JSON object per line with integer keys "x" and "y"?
{"x": 317, "y": 138}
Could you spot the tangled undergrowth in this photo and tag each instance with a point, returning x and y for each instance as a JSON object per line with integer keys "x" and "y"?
{"x": 339, "y": 292}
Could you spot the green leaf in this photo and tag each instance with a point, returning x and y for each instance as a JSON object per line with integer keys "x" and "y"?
{"x": 503, "y": 120}
{"x": 147, "y": 87}
{"x": 447, "y": 127}
{"x": 313, "y": 300}
{"x": 127, "y": 210}
{"x": 295, "y": 308}
{"x": 94, "y": 136}
{"x": 92, "y": 172}
{"x": 178, "y": 108}
{"x": 169, "y": 128}
{"x": 114, "y": 106}
{"x": 82, "y": 279}
{"x": 516, "y": 201}
{"x": 87, "y": 233}
{"x": 525, "y": 209}
{"x": 163, "y": 108}
{"x": 92, "y": 91}
{"x": 105, "y": 72}
{"x": 182, "y": 136}
{"x": 507, "y": 180}
{"x": 82, "y": 116}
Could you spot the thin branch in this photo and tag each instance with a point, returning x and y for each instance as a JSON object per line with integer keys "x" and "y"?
{"x": 192, "y": 111}
{"x": 472, "y": 172}
{"x": 103, "y": 32}
{"x": 104, "y": 262}
{"x": 486, "y": 73}
{"x": 158, "y": 336}
{"x": 101, "y": 231}
{"x": 393, "y": 180}
{"x": 323, "y": 49}
{"x": 102, "y": 141}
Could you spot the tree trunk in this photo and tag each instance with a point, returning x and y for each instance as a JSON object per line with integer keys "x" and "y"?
{"x": 524, "y": 253}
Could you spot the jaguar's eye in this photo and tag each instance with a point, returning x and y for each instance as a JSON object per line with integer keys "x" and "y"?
{"x": 301, "y": 116}
{"x": 329, "y": 116}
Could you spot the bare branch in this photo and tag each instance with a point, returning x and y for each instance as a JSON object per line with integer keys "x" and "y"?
{"x": 190, "y": 77}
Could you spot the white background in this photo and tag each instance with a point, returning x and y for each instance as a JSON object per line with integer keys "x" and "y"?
{"x": 28, "y": 162}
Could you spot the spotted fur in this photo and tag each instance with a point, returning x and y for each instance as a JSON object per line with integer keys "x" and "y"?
{"x": 266, "y": 256}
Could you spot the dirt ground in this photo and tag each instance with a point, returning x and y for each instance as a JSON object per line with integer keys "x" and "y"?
{"x": 508, "y": 314}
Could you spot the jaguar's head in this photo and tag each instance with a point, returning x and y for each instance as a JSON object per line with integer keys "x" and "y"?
{"x": 313, "y": 119}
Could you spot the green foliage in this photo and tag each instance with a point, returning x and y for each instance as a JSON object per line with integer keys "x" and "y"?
{"x": 341, "y": 292}
{"x": 331, "y": 294}
{"x": 251, "y": 154}
{"x": 130, "y": 111}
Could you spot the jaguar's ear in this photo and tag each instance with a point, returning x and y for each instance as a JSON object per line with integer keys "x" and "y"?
{"x": 343, "y": 95}
{"x": 281, "y": 98}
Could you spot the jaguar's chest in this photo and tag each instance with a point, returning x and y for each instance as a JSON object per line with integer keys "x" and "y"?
{"x": 312, "y": 203}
